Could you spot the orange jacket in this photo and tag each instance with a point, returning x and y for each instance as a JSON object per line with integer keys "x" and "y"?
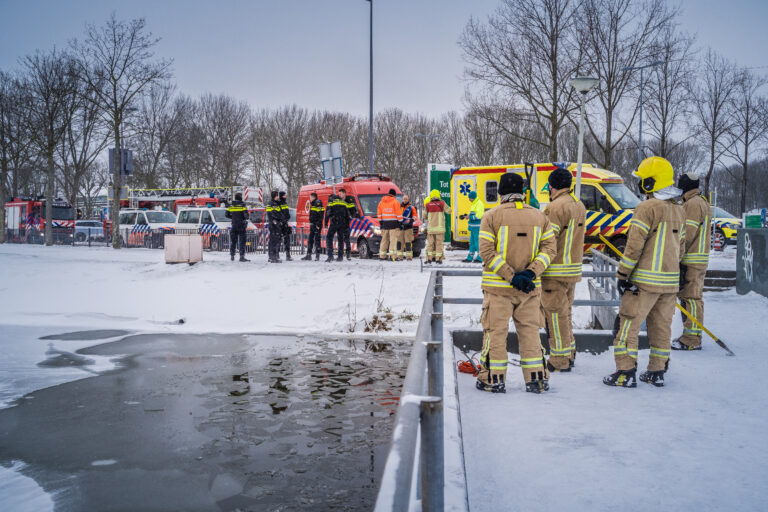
{"x": 389, "y": 212}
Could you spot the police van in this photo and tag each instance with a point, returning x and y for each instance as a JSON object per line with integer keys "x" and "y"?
{"x": 609, "y": 202}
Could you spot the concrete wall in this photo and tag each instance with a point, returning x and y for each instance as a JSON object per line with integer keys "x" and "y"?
{"x": 752, "y": 261}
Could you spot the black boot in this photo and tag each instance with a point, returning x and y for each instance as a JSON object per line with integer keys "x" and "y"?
{"x": 288, "y": 257}
{"x": 551, "y": 368}
{"x": 330, "y": 258}
{"x": 622, "y": 379}
{"x": 317, "y": 256}
{"x": 242, "y": 258}
{"x": 537, "y": 386}
{"x": 679, "y": 345}
{"x": 340, "y": 258}
{"x": 496, "y": 386}
{"x": 308, "y": 257}
{"x": 349, "y": 256}
{"x": 656, "y": 378}
{"x": 231, "y": 257}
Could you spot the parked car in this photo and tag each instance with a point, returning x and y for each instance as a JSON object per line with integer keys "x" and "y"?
{"x": 89, "y": 230}
{"x": 724, "y": 226}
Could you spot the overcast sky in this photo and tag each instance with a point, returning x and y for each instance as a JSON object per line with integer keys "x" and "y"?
{"x": 315, "y": 52}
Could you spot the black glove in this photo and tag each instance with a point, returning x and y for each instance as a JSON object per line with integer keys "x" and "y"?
{"x": 523, "y": 281}
{"x": 624, "y": 285}
{"x": 463, "y": 216}
{"x": 683, "y": 270}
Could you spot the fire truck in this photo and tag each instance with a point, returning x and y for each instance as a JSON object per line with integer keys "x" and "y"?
{"x": 25, "y": 220}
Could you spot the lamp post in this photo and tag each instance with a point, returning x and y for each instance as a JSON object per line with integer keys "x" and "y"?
{"x": 642, "y": 85}
{"x": 582, "y": 84}
{"x": 370, "y": 95}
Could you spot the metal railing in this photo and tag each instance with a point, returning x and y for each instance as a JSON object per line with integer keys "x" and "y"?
{"x": 604, "y": 270}
{"x": 420, "y": 411}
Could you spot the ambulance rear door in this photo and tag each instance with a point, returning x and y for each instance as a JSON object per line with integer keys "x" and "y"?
{"x": 463, "y": 184}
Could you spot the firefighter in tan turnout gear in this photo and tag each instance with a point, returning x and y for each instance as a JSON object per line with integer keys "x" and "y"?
{"x": 693, "y": 266}
{"x": 567, "y": 216}
{"x": 436, "y": 210}
{"x": 516, "y": 244}
{"x": 649, "y": 274}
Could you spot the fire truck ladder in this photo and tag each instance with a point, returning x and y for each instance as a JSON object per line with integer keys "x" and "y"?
{"x": 171, "y": 194}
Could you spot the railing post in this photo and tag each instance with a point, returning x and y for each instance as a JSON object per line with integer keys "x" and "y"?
{"x": 432, "y": 460}
{"x": 437, "y": 308}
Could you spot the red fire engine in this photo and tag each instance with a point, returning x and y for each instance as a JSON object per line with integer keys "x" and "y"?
{"x": 25, "y": 219}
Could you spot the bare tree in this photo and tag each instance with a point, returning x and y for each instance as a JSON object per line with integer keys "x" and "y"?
{"x": 293, "y": 147}
{"x": 527, "y": 52}
{"x": 712, "y": 110}
{"x": 749, "y": 126}
{"x": 224, "y": 123}
{"x": 616, "y": 34}
{"x": 117, "y": 63}
{"x": 92, "y": 184}
{"x": 51, "y": 83}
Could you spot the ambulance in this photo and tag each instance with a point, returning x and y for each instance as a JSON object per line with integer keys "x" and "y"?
{"x": 608, "y": 201}
{"x": 366, "y": 191}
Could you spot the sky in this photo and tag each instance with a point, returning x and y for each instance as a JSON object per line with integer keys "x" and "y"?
{"x": 315, "y": 52}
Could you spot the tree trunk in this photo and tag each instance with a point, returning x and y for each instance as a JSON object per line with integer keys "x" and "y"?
{"x": 49, "y": 197}
{"x": 711, "y": 167}
{"x": 116, "y": 190}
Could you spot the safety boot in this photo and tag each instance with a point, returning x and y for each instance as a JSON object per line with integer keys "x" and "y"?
{"x": 478, "y": 259}
{"x": 330, "y": 258}
{"x": 496, "y": 385}
{"x": 340, "y": 258}
{"x": 349, "y": 256}
{"x": 537, "y": 386}
{"x": 468, "y": 259}
{"x": 552, "y": 368}
{"x": 308, "y": 257}
{"x": 243, "y": 258}
{"x": 622, "y": 379}
{"x": 679, "y": 345}
{"x": 317, "y": 256}
{"x": 231, "y": 257}
{"x": 288, "y": 257}
{"x": 656, "y": 378}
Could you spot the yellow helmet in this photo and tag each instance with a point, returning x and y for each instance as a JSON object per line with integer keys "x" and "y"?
{"x": 655, "y": 173}
{"x": 435, "y": 194}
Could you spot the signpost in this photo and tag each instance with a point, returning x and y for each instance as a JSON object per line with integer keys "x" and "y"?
{"x": 331, "y": 160}
{"x": 439, "y": 178}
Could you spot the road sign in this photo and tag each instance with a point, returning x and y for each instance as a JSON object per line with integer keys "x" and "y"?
{"x": 126, "y": 161}
{"x": 331, "y": 160}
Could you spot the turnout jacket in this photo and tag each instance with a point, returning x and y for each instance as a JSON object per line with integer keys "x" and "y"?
{"x": 567, "y": 216}
{"x": 698, "y": 229}
{"x": 655, "y": 245}
{"x": 389, "y": 212}
{"x": 274, "y": 213}
{"x": 316, "y": 212}
{"x": 238, "y": 212}
{"x": 514, "y": 237}
{"x": 436, "y": 211}
{"x": 336, "y": 212}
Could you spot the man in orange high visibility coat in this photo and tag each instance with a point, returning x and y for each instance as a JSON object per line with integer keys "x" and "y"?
{"x": 390, "y": 216}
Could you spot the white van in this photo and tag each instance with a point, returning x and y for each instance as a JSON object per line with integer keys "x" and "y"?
{"x": 142, "y": 227}
{"x": 204, "y": 220}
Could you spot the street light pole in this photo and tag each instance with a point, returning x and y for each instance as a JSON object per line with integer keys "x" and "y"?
{"x": 642, "y": 87}
{"x": 370, "y": 111}
{"x": 582, "y": 85}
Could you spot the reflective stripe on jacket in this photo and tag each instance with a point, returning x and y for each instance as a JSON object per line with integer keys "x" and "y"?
{"x": 655, "y": 245}
{"x": 514, "y": 237}
{"x": 568, "y": 218}
{"x": 389, "y": 212}
{"x": 316, "y": 212}
{"x": 336, "y": 212}
{"x": 476, "y": 212}
{"x": 238, "y": 212}
{"x": 697, "y": 229}
{"x": 436, "y": 212}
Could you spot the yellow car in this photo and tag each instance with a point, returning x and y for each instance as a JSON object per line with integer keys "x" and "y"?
{"x": 724, "y": 226}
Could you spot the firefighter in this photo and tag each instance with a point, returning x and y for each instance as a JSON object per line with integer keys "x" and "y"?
{"x": 406, "y": 229}
{"x": 693, "y": 266}
{"x": 567, "y": 216}
{"x": 275, "y": 219}
{"x": 285, "y": 217}
{"x": 336, "y": 218}
{"x": 648, "y": 275}
{"x": 516, "y": 244}
{"x": 436, "y": 211}
{"x": 390, "y": 216}
{"x": 238, "y": 212}
{"x": 475, "y": 215}
{"x": 316, "y": 213}
{"x": 352, "y": 214}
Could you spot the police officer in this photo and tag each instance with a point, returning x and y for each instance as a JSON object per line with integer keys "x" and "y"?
{"x": 336, "y": 218}
{"x": 648, "y": 275}
{"x": 285, "y": 216}
{"x": 567, "y": 216}
{"x": 406, "y": 229}
{"x": 316, "y": 213}
{"x": 275, "y": 219}
{"x": 693, "y": 266}
{"x": 238, "y": 212}
{"x": 352, "y": 214}
{"x": 516, "y": 244}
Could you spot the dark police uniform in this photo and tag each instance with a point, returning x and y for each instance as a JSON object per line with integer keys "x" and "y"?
{"x": 238, "y": 212}
{"x": 316, "y": 213}
{"x": 352, "y": 211}
{"x": 336, "y": 220}
{"x": 274, "y": 217}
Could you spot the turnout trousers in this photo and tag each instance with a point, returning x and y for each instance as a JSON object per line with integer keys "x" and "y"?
{"x": 314, "y": 238}
{"x": 388, "y": 246}
{"x": 524, "y": 310}
{"x": 406, "y": 244}
{"x": 556, "y": 304}
{"x": 234, "y": 237}
{"x": 657, "y": 309}
{"x": 275, "y": 239}
{"x": 435, "y": 246}
{"x": 691, "y": 300}
{"x": 335, "y": 230}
